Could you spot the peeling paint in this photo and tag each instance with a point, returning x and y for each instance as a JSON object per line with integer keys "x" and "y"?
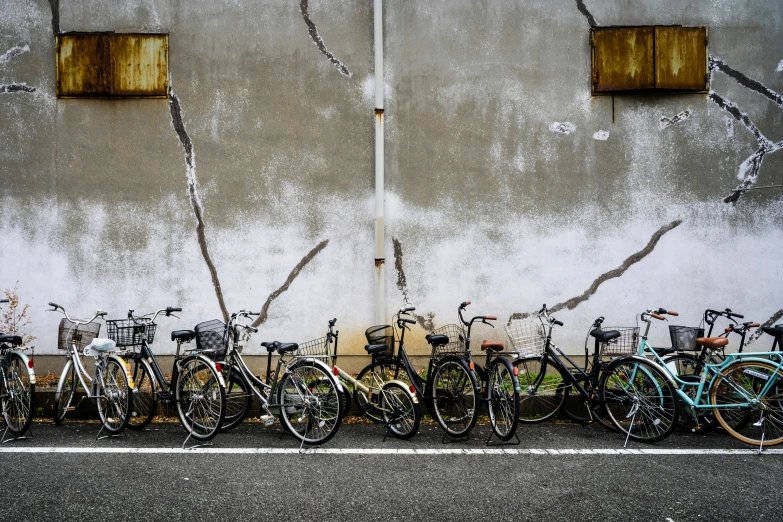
{"x": 55, "y": 5}
{"x": 426, "y": 321}
{"x": 565, "y": 127}
{"x": 753, "y": 85}
{"x": 668, "y": 122}
{"x": 295, "y": 272}
{"x": 318, "y": 41}
{"x": 11, "y": 53}
{"x": 612, "y": 274}
{"x": 580, "y": 4}
{"x": 769, "y": 322}
{"x": 195, "y": 201}
{"x": 601, "y": 135}
{"x": 16, "y": 87}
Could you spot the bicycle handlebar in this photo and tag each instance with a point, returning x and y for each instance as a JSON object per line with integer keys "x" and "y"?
{"x": 55, "y": 307}
{"x": 5, "y": 301}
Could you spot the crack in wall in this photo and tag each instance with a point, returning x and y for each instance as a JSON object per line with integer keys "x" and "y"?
{"x": 749, "y": 169}
{"x": 195, "y": 201}
{"x": 668, "y": 122}
{"x": 611, "y": 274}
{"x": 759, "y": 332}
{"x": 318, "y": 41}
{"x": 295, "y": 272}
{"x": 16, "y": 87}
{"x": 583, "y": 9}
{"x": 426, "y": 321}
{"x": 13, "y": 52}
{"x": 55, "y": 5}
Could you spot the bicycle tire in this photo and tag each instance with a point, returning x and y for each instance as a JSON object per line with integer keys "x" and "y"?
{"x": 66, "y": 390}
{"x": 200, "y": 398}
{"x": 239, "y": 399}
{"x": 386, "y": 370}
{"x": 639, "y": 399}
{"x": 401, "y": 414}
{"x": 688, "y": 368}
{"x": 309, "y": 403}
{"x": 345, "y": 400}
{"x": 454, "y": 393}
{"x": 542, "y": 395}
{"x": 115, "y": 396}
{"x": 19, "y": 395}
{"x": 145, "y": 395}
{"x": 763, "y": 422}
{"x": 503, "y": 395}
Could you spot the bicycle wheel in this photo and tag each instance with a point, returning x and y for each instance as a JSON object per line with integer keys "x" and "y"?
{"x": 345, "y": 400}
{"x": 503, "y": 402}
{"x": 743, "y": 382}
{"x": 115, "y": 396}
{"x": 66, "y": 391}
{"x": 454, "y": 394}
{"x": 383, "y": 371}
{"x": 310, "y": 404}
{"x": 688, "y": 369}
{"x": 200, "y": 398}
{"x": 639, "y": 399}
{"x": 400, "y": 414}
{"x": 144, "y": 395}
{"x": 543, "y": 389}
{"x": 239, "y": 398}
{"x": 17, "y": 401}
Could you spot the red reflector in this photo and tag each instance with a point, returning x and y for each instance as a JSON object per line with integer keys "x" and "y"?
{"x": 30, "y": 363}
{"x": 516, "y": 370}
{"x": 472, "y": 366}
{"x": 335, "y": 371}
{"x": 413, "y": 388}
{"x": 217, "y": 367}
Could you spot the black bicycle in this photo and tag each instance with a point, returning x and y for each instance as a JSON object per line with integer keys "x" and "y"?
{"x": 17, "y": 386}
{"x": 196, "y": 389}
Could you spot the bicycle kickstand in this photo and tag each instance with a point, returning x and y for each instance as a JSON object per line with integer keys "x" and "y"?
{"x": 194, "y": 446}
{"x": 464, "y": 438}
{"x": 760, "y": 423}
{"x": 508, "y": 442}
{"x": 108, "y": 435}
{"x": 3, "y": 440}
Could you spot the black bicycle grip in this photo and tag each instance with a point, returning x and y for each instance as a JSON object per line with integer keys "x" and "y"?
{"x": 254, "y": 330}
{"x": 254, "y": 313}
{"x": 173, "y": 309}
{"x": 738, "y": 316}
{"x": 558, "y": 323}
{"x": 54, "y": 305}
{"x": 332, "y": 322}
{"x": 409, "y": 321}
{"x": 100, "y": 314}
{"x": 409, "y": 309}
{"x": 6, "y": 300}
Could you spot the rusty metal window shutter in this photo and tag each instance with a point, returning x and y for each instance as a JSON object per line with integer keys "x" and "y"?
{"x": 681, "y": 58}
{"x": 112, "y": 65}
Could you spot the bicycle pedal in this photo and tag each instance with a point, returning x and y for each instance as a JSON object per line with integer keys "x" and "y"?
{"x": 268, "y": 420}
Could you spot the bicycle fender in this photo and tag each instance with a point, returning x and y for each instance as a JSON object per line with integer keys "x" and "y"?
{"x": 125, "y": 365}
{"x": 407, "y": 387}
{"x": 26, "y": 360}
{"x": 325, "y": 368}
{"x": 209, "y": 361}
{"x": 657, "y": 366}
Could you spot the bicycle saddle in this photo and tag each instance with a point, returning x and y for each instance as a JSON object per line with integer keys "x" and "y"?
{"x": 99, "y": 346}
{"x": 10, "y": 339}
{"x": 280, "y": 347}
{"x": 183, "y": 335}
{"x": 604, "y": 336}
{"x": 774, "y": 331}
{"x": 375, "y": 348}
{"x": 712, "y": 342}
{"x": 437, "y": 339}
{"x": 492, "y": 346}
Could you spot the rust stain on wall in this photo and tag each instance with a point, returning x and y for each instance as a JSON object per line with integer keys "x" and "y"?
{"x": 623, "y": 59}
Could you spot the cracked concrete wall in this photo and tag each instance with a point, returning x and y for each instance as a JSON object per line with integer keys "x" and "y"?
{"x": 507, "y": 183}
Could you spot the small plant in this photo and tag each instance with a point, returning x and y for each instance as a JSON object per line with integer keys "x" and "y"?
{"x": 15, "y": 319}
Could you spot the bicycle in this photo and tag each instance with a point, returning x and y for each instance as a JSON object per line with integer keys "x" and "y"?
{"x": 196, "y": 388}
{"x": 744, "y": 390}
{"x": 391, "y": 402}
{"x": 305, "y": 395}
{"x": 17, "y": 386}
{"x": 111, "y": 384}
{"x": 635, "y": 395}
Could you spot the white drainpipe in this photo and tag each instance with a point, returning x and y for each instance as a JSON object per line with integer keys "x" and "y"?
{"x": 380, "y": 257}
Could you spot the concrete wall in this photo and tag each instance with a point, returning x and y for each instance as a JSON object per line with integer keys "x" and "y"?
{"x": 507, "y": 183}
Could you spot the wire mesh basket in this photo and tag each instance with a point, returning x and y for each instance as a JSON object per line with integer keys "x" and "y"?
{"x": 70, "y": 334}
{"x": 527, "y": 337}
{"x": 684, "y": 337}
{"x": 626, "y": 344}
{"x": 321, "y": 347}
{"x": 383, "y": 334}
{"x": 211, "y": 337}
{"x": 456, "y": 344}
{"x": 126, "y": 332}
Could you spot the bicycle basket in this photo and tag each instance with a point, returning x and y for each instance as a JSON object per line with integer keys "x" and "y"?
{"x": 527, "y": 337}
{"x": 126, "y": 332}
{"x": 211, "y": 337}
{"x": 456, "y": 344}
{"x": 80, "y": 335}
{"x": 315, "y": 348}
{"x": 626, "y": 344}
{"x": 684, "y": 337}
{"x": 381, "y": 335}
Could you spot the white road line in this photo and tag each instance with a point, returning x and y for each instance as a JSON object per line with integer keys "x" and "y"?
{"x": 387, "y": 451}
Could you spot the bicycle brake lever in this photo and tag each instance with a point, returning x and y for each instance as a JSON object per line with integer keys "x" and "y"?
{"x": 175, "y": 315}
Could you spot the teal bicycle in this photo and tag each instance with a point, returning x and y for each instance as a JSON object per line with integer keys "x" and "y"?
{"x": 744, "y": 391}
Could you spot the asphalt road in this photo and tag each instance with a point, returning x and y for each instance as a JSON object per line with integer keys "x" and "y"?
{"x": 686, "y": 477}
